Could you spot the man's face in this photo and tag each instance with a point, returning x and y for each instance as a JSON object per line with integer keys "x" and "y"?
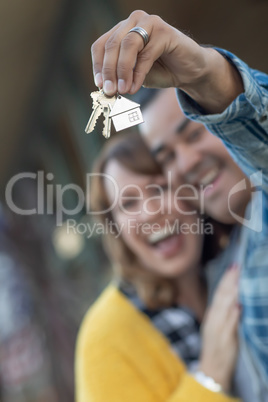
{"x": 194, "y": 156}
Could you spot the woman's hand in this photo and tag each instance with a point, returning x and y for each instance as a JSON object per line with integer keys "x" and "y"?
{"x": 122, "y": 63}
{"x": 220, "y": 331}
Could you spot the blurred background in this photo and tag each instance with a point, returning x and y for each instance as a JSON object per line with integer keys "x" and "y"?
{"x": 49, "y": 273}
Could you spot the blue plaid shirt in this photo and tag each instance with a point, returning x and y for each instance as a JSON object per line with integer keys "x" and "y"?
{"x": 243, "y": 127}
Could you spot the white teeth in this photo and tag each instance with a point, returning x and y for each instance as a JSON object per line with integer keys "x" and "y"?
{"x": 210, "y": 177}
{"x": 157, "y": 236}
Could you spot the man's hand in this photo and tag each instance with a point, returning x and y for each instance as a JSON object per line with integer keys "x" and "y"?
{"x": 122, "y": 63}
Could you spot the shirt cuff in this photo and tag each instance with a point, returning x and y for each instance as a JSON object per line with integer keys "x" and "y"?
{"x": 252, "y": 103}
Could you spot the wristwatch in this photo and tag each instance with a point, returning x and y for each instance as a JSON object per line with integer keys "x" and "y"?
{"x": 207, "y": 382}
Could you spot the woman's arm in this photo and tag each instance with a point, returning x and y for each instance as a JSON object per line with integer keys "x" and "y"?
{"x": 120, "y": 356}
{"x": 111, "y": 376}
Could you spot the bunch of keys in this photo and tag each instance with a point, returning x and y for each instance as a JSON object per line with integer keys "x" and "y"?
{"x": 123, "y": 112}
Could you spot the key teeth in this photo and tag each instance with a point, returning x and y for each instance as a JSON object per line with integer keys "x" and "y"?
{"x": 105, "y": 128}
{"x": 101, "y": 105}
{"x": 89, "y": 128}
{"x": 93, "y": 119}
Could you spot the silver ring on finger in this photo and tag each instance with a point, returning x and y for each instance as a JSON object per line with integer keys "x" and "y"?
{"x": 141, "y": 31}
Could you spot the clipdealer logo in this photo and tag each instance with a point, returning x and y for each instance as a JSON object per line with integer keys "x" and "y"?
{"x": 199, "y": 226}
{"x": 251, "y": 220}
{"x": 51, "y": 198}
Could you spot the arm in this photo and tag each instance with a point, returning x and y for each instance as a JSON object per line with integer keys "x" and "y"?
{"x": 122, "y": 63}
{"x": 243, "y": 126}
{"x": 223, "y": 93}
{"x": 112, "y": 376}
{"x": 120, "y": 356}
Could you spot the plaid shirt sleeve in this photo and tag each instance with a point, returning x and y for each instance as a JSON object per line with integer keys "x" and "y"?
{"x": 243, "y": 128}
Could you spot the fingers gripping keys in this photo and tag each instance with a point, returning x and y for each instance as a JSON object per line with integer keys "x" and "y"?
{"x": 122, "y": 111}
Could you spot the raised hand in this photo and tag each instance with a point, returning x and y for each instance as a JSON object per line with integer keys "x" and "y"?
{"x": 122, "y": 63}
{"x": 121, "y": 59}
{"x": 220, "y": 331}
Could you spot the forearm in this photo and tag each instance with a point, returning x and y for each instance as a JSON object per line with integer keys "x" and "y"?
{"x": 243, "y": 126}
{"x": 218, "y": 85}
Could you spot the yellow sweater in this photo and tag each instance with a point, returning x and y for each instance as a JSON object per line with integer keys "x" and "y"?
{"x": 121, "y": 357}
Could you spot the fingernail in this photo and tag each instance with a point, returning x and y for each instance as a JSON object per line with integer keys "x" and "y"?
{"x": 121, "y": 86}
{"x": 109, "y": 87}
{"x": 98, "y": 80}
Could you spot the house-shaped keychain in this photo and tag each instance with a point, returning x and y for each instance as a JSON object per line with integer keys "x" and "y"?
{"x": 125, "y": 113}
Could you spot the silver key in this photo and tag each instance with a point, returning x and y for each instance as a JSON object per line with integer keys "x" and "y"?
{"x": 100, "y": 102}
{"x": 123, "y": 112}
{"x": 105, "y": 100}
{"x": 106, "y": 132}
{"x": 107, "y": 103}
{"x": 97, "y": 111}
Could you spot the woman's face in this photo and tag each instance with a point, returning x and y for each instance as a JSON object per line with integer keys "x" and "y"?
{"x": 157, "y": 227}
